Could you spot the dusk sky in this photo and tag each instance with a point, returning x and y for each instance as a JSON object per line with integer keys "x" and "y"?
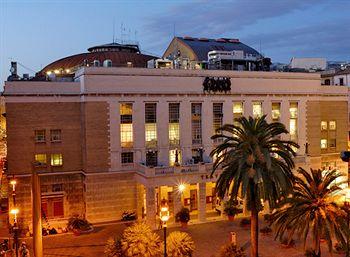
{"x": 35, "y": 33}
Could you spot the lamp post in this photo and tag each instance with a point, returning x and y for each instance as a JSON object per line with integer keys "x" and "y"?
{"x": 164, "y": 217}
{"x": 14, "y": 212}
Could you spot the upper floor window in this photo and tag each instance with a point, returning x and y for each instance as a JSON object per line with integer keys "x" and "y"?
{"x": 174, "y": 125}
{"x": 126, "y": 126}
{"x": 151, "y": 125}
{"x": 332, "y": 125}
{"x": 276, "y": 112}
{"x": 196, "y": 110}
{"x": 55, "y": 135}
{"x": 257, "y": 109}
{"x": 56, "y": 159}
{"x": 238, "y": 108}
{"x": 323, "y": 143}
{"x": 217, "y": 118}
{"x": 40, "y": 159}
{"x": 127, "y": 157}
{"x": 39, "y": 135}
{"x": 324, "y": 125}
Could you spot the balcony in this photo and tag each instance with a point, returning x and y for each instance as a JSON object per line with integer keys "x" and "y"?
{"x": 174, "y": 170}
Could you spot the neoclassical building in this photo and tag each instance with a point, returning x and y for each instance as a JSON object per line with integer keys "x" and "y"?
{"x": 115, "y": 139}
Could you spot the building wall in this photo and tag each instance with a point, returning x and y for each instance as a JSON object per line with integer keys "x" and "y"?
{"x": 25, "y": 118}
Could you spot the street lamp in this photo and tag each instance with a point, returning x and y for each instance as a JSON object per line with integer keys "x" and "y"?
{"x": 14, "y": 212}
{"x": 164, "y": 217}
{"x": 13, "y": 182}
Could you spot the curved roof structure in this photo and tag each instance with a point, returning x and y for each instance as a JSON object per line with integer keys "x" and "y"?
{"x": 120, "y": 55}
{"x": 201, "y": 46}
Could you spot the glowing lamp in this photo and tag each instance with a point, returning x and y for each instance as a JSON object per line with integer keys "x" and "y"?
{"x": 48, "y": 73}
{"x": 164, "y": 211}
{"x": 13, "y": 182}
{"x": 67, "y": 70}
{"x": 56, "y": 71}
{"x": 181, "y": 187}
{"x": 14, "y": 211}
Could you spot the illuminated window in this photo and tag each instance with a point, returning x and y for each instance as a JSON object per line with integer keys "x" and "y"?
{"x": 56, "y": 159}
{"x": 257, "y": 109}
{"x": 40, "y": 159}
{"x": 293, "y": 121}
{"x": 127, "y": 157}
{"x": 55, "y": 135}
{"x": 196, "y": 111}
{"x": 276, "y": 112}
{"x": 151, "y": 125}
{"x": 126, "y": 126}
{"x": 174, "y": 157}
{"x": 238, "y": 108}
{"x": 174, "y": 126}
{"x": 323, "y": 125}
{"x": 39, "y": 135}
{"x": 217, "y": 118}
{"x": 323, "y": 143}
{"x": 293, "y": 110}
{"x": 126, "y": 135}
{"x": 151, "y": 134}
{"x": 332, "y": 125}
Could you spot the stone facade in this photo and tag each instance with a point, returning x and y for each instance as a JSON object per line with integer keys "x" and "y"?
{"x": 94, "y": 182}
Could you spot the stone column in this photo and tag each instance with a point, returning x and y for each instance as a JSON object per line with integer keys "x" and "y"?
{"x": 163, "y": 132}
{"x": 151, "y": 207}
{"x": 177, "y": 195}
{"x": 202, "y": 202}
{"x": 185, "y": 130}
{"x": 138, "y": 117}
{"x": 207, "y": 129}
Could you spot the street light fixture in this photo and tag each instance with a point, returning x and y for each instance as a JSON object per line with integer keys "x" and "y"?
{"x": 14, "y": 212}
{"x": 164, "y": 217}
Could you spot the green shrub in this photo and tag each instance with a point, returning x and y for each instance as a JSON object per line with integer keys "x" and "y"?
{"x": 183, "y": 215}
{"x": 231, "y": 250}
{"x": 179, "y": 244}
{"x": 138, "y": 240}
{"x": 230, "y": 208}
{"x": 77, "y": 223}
{"x": 113, "y": 248}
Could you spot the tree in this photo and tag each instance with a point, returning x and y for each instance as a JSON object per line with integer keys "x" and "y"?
{"x": 311, "y": 210}
{"x": 255, "y": 163}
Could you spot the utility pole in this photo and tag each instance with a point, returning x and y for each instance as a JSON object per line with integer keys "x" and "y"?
{"x": 36, "y": 214}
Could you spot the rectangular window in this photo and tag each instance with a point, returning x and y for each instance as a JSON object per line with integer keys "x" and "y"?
{"x": 276, "y": 112}
{"x": 126, "y": 126}
{"x": 174, "y": 157}
{"x": 217, "y": 119}
{"x": 332, "y": 143}
{"x": 56, "y": 159}
{"x": 55, "y": 135}
{"x": 332, "y": 125}
{"x": 293, "y": 121}
{"x": 196, "y": 111}
{"x": 151, "y": 158}
{"x": 126, "y": 135}
{"x": 237, "y": 112}
{"x": 174, "y": 124}
{"x": 151, "y": 125}
{"x": 40, "y": 159}
{"x": 324, "y": 125}
{"x": 341, "y": 81}
{"x": 39, "y": 136}
{"x": 323, "y": 143}
{"x": 127, "y": 157}
{"x": 52, "y": 207}
{"x": 257, "y": 109}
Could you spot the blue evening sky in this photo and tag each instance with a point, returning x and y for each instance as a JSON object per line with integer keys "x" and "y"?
{"x": 35, "y": 33}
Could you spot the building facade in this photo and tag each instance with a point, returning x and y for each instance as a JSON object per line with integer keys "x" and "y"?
{"x": 123, "y": 139}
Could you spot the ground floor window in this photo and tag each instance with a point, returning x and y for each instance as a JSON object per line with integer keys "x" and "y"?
{"x": 52, "y": 207}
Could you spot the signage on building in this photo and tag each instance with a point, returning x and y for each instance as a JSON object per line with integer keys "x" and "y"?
{"x": 217, "y": 84}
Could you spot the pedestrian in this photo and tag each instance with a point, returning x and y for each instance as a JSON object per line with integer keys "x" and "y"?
{"x": 23, "y": 250}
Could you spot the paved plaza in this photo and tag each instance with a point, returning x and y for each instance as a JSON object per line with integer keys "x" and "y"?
{"x": 208, "y": 237}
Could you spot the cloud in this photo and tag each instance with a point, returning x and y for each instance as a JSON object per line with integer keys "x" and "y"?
{"x": 303, "y": 31}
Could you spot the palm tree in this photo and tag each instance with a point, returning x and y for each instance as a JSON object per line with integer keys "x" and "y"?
{"x": 311, "y": 210}
{"x": 255, "y": 164}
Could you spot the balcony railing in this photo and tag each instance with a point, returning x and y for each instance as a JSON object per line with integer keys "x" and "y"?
{"x": 171, "y": 170}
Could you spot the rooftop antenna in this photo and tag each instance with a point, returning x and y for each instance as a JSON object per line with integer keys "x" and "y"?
{"x": 113, "y": 30}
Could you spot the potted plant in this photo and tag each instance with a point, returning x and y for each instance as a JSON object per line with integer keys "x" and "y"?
{"x": 231, "y": 210}
{"x": 79, "y": 225}
{"x": 183, "y": 216}
{"x": 231, "y": 250}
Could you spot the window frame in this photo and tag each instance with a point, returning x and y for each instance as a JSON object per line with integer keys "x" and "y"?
{"x": 51, "y": 135}
{"x": 36, "y": 132}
